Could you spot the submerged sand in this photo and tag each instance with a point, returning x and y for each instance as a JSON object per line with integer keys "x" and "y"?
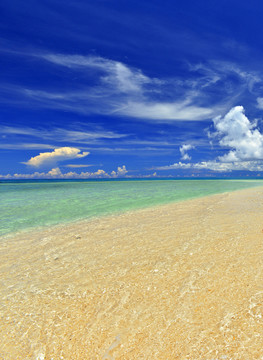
{"x": 179, "y": 281}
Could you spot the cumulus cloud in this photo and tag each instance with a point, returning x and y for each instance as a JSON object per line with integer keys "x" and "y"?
{"x": 121, "y": 171}
{"x": 183, "y": 150}
{"x": 236, "y": 132}
{"x": 56, "y": 173}
{"x": 51, "y": 158}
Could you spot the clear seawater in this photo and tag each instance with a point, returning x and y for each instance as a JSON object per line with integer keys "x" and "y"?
{"x": 32, "y": 204}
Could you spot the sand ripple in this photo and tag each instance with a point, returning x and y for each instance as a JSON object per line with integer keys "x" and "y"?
{"x": 180, "y": 281}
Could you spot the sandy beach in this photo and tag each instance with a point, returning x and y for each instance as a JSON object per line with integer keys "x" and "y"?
{"x": 178, "y": 281}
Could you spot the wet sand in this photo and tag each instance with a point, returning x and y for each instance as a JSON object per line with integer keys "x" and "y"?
{"x": 178, "y": 281}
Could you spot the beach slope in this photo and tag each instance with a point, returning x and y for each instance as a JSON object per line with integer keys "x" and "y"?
{"x": 177, "y": 281}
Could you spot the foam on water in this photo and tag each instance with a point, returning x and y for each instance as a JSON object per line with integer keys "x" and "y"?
{"x": 34, "y": 204}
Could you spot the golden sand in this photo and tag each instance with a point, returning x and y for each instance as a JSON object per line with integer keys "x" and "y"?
{"x": 179, "y": 281}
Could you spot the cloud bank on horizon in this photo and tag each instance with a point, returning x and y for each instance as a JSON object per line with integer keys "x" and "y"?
{"x": 55, "y": 173}
{"x": 93, "y": 86}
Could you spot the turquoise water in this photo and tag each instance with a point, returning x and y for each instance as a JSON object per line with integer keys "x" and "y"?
{"x": 25, "y": 204}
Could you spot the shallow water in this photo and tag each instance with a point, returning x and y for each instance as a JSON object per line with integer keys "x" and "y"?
{"x": 25, "y": 204}
{"x": 178, "y": 281}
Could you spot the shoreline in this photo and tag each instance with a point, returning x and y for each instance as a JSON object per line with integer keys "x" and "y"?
{"x": 33, "y": 231}
{"x": 181, "y": 280}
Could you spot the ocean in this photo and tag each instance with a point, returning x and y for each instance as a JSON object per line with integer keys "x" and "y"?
{"x": 36, "y": 204}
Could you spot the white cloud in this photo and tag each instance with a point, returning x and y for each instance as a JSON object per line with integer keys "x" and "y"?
{"x": 125, "y": 79}
{"x": 62, "y": 135}
{"x": 56, "y": 173}
{"x": 126, "y": 91}
{"x": 51, "y": 158}
{"x": 216, "y": 166}
{"x": 240, "y": 135}
{"x": 236, "y": 132}
{"x": 163, "y": 111}
{"x": 121, "y": 171}
{"x": 119, "y": 75}
{"x": 216, "y": 71}
{"x": 19, "y": 146}
{"x": 260, "y": 103}
{"x": 183, "y": 150}
{"x": 107, "y": 87}
{"x": 77, "y": 165}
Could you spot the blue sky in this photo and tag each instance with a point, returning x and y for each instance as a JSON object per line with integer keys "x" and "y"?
{"x": 130, "y": 88}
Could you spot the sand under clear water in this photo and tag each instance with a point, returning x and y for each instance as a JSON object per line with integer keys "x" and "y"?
{"x": 176, "y": 281}
{"x": 30, "y": 204}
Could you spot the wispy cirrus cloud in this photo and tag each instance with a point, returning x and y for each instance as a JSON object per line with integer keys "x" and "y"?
{"x": 216, "y": 72}
{"x": 113, "y": 73}
{"x": 77, "y": 166}
{"x": 143, "y": 97}
{"x": 61, "y": 134}
{"x": 163, "y": 112}
{"x": 95, "y": 139}
{"x": 25, "y": 146}
{"x": 112, "y": 88}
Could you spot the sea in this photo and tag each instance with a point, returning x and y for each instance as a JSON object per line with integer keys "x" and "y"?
{"x": 28, "y": 204}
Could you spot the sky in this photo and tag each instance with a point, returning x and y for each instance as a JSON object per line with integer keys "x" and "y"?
{"x": 127, "y": 88}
